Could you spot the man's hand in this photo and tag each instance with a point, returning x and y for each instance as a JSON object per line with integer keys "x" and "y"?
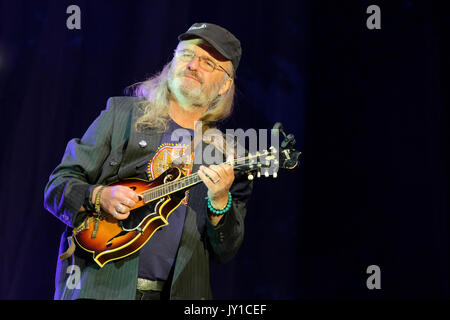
{"x": 118, "y": 199}
{"x": 218, "y": 179}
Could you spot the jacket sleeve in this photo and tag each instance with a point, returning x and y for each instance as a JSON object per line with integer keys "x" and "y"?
{"x": 72, "y": 180}
{"x": 226, "y": 238}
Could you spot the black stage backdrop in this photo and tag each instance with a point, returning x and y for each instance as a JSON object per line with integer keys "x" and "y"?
{"x": 366, "y": 107}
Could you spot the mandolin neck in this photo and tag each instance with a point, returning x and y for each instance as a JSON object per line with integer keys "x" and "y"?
{"x": 249, "y": 161}
{"x": 171, "y": 187}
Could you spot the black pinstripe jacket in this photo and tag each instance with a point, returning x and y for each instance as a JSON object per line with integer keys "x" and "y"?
{"x": 110, "y": 151}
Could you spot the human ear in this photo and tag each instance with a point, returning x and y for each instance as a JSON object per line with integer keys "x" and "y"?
{"x": 226, "y": 86}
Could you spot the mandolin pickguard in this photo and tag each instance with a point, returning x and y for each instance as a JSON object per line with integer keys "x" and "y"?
{"x": 137, "y": 216}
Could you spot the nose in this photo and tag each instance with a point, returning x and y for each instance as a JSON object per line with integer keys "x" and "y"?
{"x": 193, "y": 65}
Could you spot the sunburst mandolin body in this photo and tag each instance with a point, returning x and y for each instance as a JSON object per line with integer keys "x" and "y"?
{"x": 109, "y": 239}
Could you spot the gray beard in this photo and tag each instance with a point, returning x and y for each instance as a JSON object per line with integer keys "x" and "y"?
{"x": 187, "y": 97}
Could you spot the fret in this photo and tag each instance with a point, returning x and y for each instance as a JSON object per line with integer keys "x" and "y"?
{"x": 190, "y": 180}
{"x": 171, "y": 187}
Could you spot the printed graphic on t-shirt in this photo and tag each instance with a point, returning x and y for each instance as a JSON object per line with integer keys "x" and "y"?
{"x": 165, "y": 155}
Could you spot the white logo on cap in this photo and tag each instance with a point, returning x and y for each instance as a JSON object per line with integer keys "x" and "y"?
{"x": 199, "y": 27}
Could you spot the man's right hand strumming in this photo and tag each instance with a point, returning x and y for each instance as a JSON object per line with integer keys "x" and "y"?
{"x": 116, "y": 200}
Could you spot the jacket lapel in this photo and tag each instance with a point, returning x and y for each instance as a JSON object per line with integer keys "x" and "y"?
{"x": 141, "y": 147}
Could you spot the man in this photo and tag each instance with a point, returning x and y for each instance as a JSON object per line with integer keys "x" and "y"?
{"x": 134, "y": 138}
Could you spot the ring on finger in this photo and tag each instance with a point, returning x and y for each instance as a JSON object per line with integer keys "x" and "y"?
{"x": 114, "y": 213}
{"x": 119, "y": 208}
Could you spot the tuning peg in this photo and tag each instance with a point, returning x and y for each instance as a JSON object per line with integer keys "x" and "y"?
{"x": 266, "y": 173}
{"x": 250, "y": 176}
{"x": 273, "y": 149}
{"x": 258, "y": 174}
{"x": 274, "y": 174}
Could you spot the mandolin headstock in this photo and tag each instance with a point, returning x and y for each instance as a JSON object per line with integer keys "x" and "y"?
{"x": 267, "y": 162}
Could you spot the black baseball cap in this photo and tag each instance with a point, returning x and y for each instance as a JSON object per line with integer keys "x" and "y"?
{"x": 220, "y": 38}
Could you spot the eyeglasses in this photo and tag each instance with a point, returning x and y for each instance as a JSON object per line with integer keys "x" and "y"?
{"x": 206, "y": 64}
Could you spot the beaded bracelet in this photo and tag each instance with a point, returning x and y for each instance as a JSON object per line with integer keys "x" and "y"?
{"x": 220, "y": 212}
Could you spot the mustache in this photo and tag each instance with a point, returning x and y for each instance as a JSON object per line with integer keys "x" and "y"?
{"x": 192, "y": 74}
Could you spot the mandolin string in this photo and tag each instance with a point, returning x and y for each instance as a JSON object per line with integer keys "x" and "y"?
{"x": 194, "y": 180}
{"x": 194, "y": 177}
{"x": 185, "y": 182}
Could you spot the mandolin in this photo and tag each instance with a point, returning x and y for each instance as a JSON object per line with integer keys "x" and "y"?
{"x": 109, "y": 239}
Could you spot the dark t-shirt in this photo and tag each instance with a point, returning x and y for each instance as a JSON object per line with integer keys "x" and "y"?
{"x": 157, "y": 256}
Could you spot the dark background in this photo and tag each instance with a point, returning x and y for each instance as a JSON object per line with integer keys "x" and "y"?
{"x": 367, "y": 108}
